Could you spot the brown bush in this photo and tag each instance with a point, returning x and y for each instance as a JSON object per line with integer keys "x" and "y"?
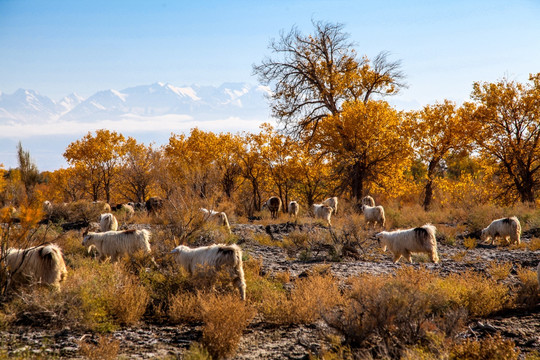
{"x": 184, "y": 308}
{"x": 225, "y": 318}
{"x": 528, "y": 292}
{"x": 106, "y": 349}
{"x": 396, "y": 311}
{"x": 487, "y": 349}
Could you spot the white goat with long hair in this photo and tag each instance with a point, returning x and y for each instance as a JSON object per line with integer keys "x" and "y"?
{"x": 293, "y": 208}
{"x": 43, "y": 264}
{"x": 115, "y": 244}
{"x": 332, "y": 202}
{"x": 322, "y": 211}
{"x": 108, "y": 222}
{"x": 368, "y": 200}
{"x": 504, "y": 228}
{"x": 374, "y": 215}
{"x": 208, "y": 259}
{"x": 219, "y": 217}
{"x": 404, "y": 242}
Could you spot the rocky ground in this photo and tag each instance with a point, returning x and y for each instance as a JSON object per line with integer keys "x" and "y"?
{"x": 262, "y": 341}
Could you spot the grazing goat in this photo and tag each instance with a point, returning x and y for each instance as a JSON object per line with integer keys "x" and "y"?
{"x": 368, "y": 200}
{"x": 404, "y": 242}
{"x": 107, "y": 222}
{"x": 332, "y": 202}
{"x": 293, "y": 208}
{"x": 126, "y": 209}
{"x": 504, "y": 228}
{"x": 102, "y": 206}
{"x": 323, "y": 212}
{"x": 43, "y": 264}
{"x": 154, "y": 204}
{"x": 274, "y": 206}
{"x": 207, "y": 259}
{"x": 374, "y": 215}
{"x": 219, "y": 217}
{"x": 137, "y": 206}
{"x": 115, "y": 244}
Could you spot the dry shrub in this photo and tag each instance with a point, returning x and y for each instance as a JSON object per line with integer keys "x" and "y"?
{"x": 81, "y": 210}
{"x": 95, "y": 296}
{"x": 184, "y": 308}
{"x": 307, "y": 301}
{"x": 499, "y": 271}
{"x": 225, "y": 318}
{"x": 534, "y": 244}
{"x": 313, "y": 296}
{"x": 196, "y": 352}
{"x": 459, "y": 256}
{"x": 476, "y": 293}
{"x": 486, "y": 349}
{"x": 71, "y": 243}
{"x": 397, "y": 311}
{"x": 163, "y": 285}
{"x": 482, "y": 215}
{"x": 106, "y": 348}
{"x": 106, "y": 296}
{"x": 469, "y": 243}
{"x": 129, "y": 298}
{"x": 528, "y": 293}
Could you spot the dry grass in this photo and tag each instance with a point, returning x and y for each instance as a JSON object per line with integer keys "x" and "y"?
{"x": 225, "y": 318}
{"x": 106, "y": 348}
{"x": 528, "y": 293}
{"x": 408, "y": 308}
{"x": 499, "y": 271}
{"x": 184, "y": 308}
{"x": 489, "y": 348}
{"x": 534, "y": 244}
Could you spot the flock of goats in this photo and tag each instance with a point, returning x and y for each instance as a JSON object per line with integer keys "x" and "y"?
{"x": 45, "y": 264}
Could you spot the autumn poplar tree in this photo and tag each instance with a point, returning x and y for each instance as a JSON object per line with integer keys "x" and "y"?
{"x": 311, "y": 76}
{"x": 436, "y": 131}
{"x": 99, "y": 158}
{"x": 508, "y": 114}
{"x": 368, "y": 142}
{"x": 137, "y": 171}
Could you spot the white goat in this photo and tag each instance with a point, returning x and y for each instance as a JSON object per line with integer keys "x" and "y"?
{"x": 207, "y": 259}
{"x": 368, "y": 200}
{"x": 107, "y": 222}
{"x": 43, "y": 263}
{"x": 273, "y": 205}
{"x": 293, "y": 209}
{"x": 374, "y": 215}
{"x": 332, "y": 202}
{"x": 219, "y": 217}
{"x": 404, "y": 242}
{"x": 504, "y": 228}
{"x": 115, "y": 244}
{"x": 323, "y": 212}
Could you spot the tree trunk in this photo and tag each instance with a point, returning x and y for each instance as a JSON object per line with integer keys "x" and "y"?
{"x": 429, "y": 195}
{"x": 357, "y": 181}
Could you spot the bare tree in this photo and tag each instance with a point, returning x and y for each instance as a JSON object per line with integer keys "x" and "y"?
{"x": 312, "y": 75}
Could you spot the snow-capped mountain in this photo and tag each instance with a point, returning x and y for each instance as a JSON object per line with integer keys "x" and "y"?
{"x": 199, "y": 102}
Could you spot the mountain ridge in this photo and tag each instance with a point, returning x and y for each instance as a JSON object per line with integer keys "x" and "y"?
{"x": 200, "y": 102}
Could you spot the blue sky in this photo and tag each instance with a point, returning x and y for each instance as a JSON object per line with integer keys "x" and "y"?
{"x": 59, "y": 47}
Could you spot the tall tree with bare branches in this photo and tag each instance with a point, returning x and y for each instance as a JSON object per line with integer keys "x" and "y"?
{"x": 311, "y": 76}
